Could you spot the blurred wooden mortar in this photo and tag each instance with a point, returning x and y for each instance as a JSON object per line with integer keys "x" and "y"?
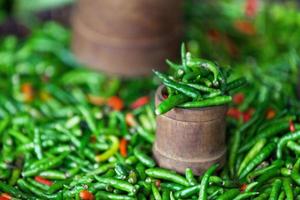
{"x": 127, "y": 38}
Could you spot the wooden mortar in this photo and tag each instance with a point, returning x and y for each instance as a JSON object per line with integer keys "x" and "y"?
{"x": 127, "y": 38}
{"x": 190, "y": 138}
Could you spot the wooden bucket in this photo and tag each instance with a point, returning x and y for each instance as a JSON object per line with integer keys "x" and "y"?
{"x": 190, "y": 138}
{"x": 127, "y": 38}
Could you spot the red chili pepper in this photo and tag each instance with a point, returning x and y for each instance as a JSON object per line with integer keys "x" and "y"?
{"x": 214, "y": 35}
{"x": 139, "y": 102}
{"x": 165, "y": 96}
{"x": 238, "y": 98}
{"x": 86, "y": 195}
{"x": 292, "y": 126}
{"x": 93, "y": 139}
{"x": 43, "y": 180}
{"x": 251, "y": 7}
{"x": 123, "y": 147}
{"x": 245, "y": 27}
{"x": 243, "y": 187}
{"x": 5, "y": 196}
{"x": 234, "y": 113}
{"x": 116, "y": 103}
{"x": 246, "y": 117}
{"x": 231, "y": 47}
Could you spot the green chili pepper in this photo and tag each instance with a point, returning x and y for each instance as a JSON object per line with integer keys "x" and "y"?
{"x": 252, "y": 153}
{"x": 110, "y": 196}
{"x": 236, "y": 139}
{"x": 215, "y": 101}
{"x": 170, "y": 102}
{"x": 284, "y": 140}
{"x": 190, "y": 176}
{"x": 143, "y": 158}
{"x": 44, "y": 166}
{"x": 155, "y": 192}
{"x": 275, "y": 189}
{"x": 166, "y": 175}
{"x": 229, "y": 194}
{"x": 265, "y": 152}
{"x": 186, "y": 90}
{"x": 246, "y": 195}
{"x": 287, "y": 186}
{"x": 205, "y": 181}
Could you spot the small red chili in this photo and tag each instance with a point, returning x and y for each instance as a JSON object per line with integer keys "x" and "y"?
{"x": 42, "y": 180}
{"x": 157, "y": 183}
{"x": 238, "y": 98}
{"x": 243, "y": 187}
{"x": 234, "y": 113}
{"x": 246, "y": 116}
{"x": 139, "y": 102}
{"x": 86, "y": 195}
{"x": 251, "y": 7}
{"x": 165, "y": 96}
{"x": 214, "y": 35}
{"x": 93, "y": 139}
{"x": 292, "y": 126}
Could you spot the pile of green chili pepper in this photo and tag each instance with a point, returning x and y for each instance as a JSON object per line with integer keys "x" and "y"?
{"x": 69, "y": 133}
{"x": 196, "y": 83}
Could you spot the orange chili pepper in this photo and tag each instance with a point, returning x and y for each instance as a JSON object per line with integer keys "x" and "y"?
{"x": 123, "y": 147}
{"x": 86, "y": 195}
{"x": 116, "y": 103}
{"x": 96, "y": 100}
{"x": 5, "y": 196}
{"x": 139, "y": 102}
{"x": 243, "y": 187}
{"x": 43, "y": 180}
{"x": 270, "y": 113}
{"x": 129, "y": 118}
{"x": 245, "y": 27}
{"x": 27, "y": 91}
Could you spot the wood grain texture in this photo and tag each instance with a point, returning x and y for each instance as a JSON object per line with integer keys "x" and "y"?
{"x": 192, "y": 138}
{"x": 127, "y": 38}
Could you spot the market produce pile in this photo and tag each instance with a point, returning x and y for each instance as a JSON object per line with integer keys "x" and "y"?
{"x": 196, "y": 83}
{"x": 69, "y": 133}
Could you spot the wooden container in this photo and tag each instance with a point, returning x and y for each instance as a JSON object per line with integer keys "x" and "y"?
{"x": 127, "y": 38}
{"x": 193, "y": 138}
